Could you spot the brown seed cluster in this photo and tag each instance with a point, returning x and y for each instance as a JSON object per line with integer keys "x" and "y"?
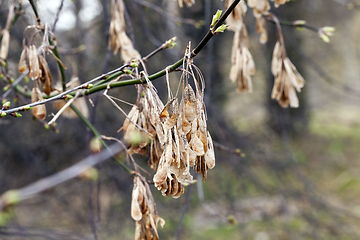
{"x": 143, "y": 211}
{"x": 118, "y": 40}
{"x": 176, "y": 134}
{"x": 260, "y": 7}
{"x": 287, "y": 78}
{"x": 242, "y": 63}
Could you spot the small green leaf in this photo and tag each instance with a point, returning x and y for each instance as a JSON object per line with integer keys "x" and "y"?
{"x": 222, "y": 28}
{"x": 216, "y": 17}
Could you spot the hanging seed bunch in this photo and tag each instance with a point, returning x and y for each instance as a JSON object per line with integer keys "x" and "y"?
{"x": 187, "y": 141}
{"x": 235, "y": 19}
{"x": 287, "y": 78}
{"x": 138, "y": 127}
{"x": 261, "y": 8}
{"x": 143, "y": 211}
{"x": 118, "y": 40}
{"x": 178, "y": 134}
{"x": 5, "y": 41}
{"x": 188, "y": 3}
{"x": 242, "y": 63}
{"x": 33, "y": 57}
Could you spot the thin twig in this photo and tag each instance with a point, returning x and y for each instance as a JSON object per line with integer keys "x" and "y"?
{"x": 165, "y": 14}
{"x": 63, "y": 109}
{"x": 64, "y": 175}
{"x": 60, "y": 96}
{"x": 16, "y": 82}
{"x": 57, "y": 15}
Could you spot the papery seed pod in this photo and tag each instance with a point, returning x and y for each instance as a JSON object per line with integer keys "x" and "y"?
{"x": 210, "y": 154}
{"x": 135, "y": 206}
{"x": 33, "y": 60}
{"x": 39, "y": 111}
{"x": 22, "y": 63}
{"x": 235, "y": 20}
{"x": 4, "y": 49}
{"x": 45, "y": 78}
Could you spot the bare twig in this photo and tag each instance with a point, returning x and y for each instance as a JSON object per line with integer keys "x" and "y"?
{"x": 57, "y": 15}
{"x": 64, "y": 175}
{"x": 16, "y": 82}
{"x": 165, "y": 14}
{"x": 63, "y": 109}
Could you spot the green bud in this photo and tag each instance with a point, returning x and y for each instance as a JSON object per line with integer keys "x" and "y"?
{"x": 6, "y": 88}
{"x": 133, "y": 63}
{"x": 216, "y": 17}
{"x": 11, "y": 197}
{"x": 299, "y": 23}
{"x": 127, "y": 71}
{"x": 328, "y": 29}
{"x": 27, "y": 79}
{"x": 12, "y": 80}
{"x": 232, "y": 220}
{"x": 2, "y": 114}
{"x": 4, "y": 101}
{"x": 46, "y": 126}
{"x": 89, "y": 174}
{"x": 6, "y": 105}
{"x": 5, "y": 216}
{"x": 324, "y": 37}
{"x": 67, "y": 97}
{"x": 26, "y": 108}
{"x": 15, "y": 100}
{"x": 222, "y": 28}
{"x": 170, "y": 43}
{"x": 16, "y": 114}
{"x": 2, "y": 76}
{"x": 4, "y": 63}
{"x": 95, "y": 145}
{"x": 90, "y": 86}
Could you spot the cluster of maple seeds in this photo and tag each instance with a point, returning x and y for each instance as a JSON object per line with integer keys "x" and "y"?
{"x": 287, "y": 78}
{"x": 143, "y": 211}
{"x": 176, "y": 134}
{"x": 118, "y": 40}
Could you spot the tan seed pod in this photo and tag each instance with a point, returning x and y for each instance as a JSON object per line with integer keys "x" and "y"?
{"x": 39, "y": 111}
{"x": 33, "y": 60}
{"x": 45, "y": 78}
{"x": 22, "y": 62}
{"x": 5, "y": 42}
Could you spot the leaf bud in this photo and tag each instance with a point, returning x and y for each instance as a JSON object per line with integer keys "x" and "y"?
{"x": 6, "y": 105}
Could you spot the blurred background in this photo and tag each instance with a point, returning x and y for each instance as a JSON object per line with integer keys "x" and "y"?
{"x": 280, "y": 173}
